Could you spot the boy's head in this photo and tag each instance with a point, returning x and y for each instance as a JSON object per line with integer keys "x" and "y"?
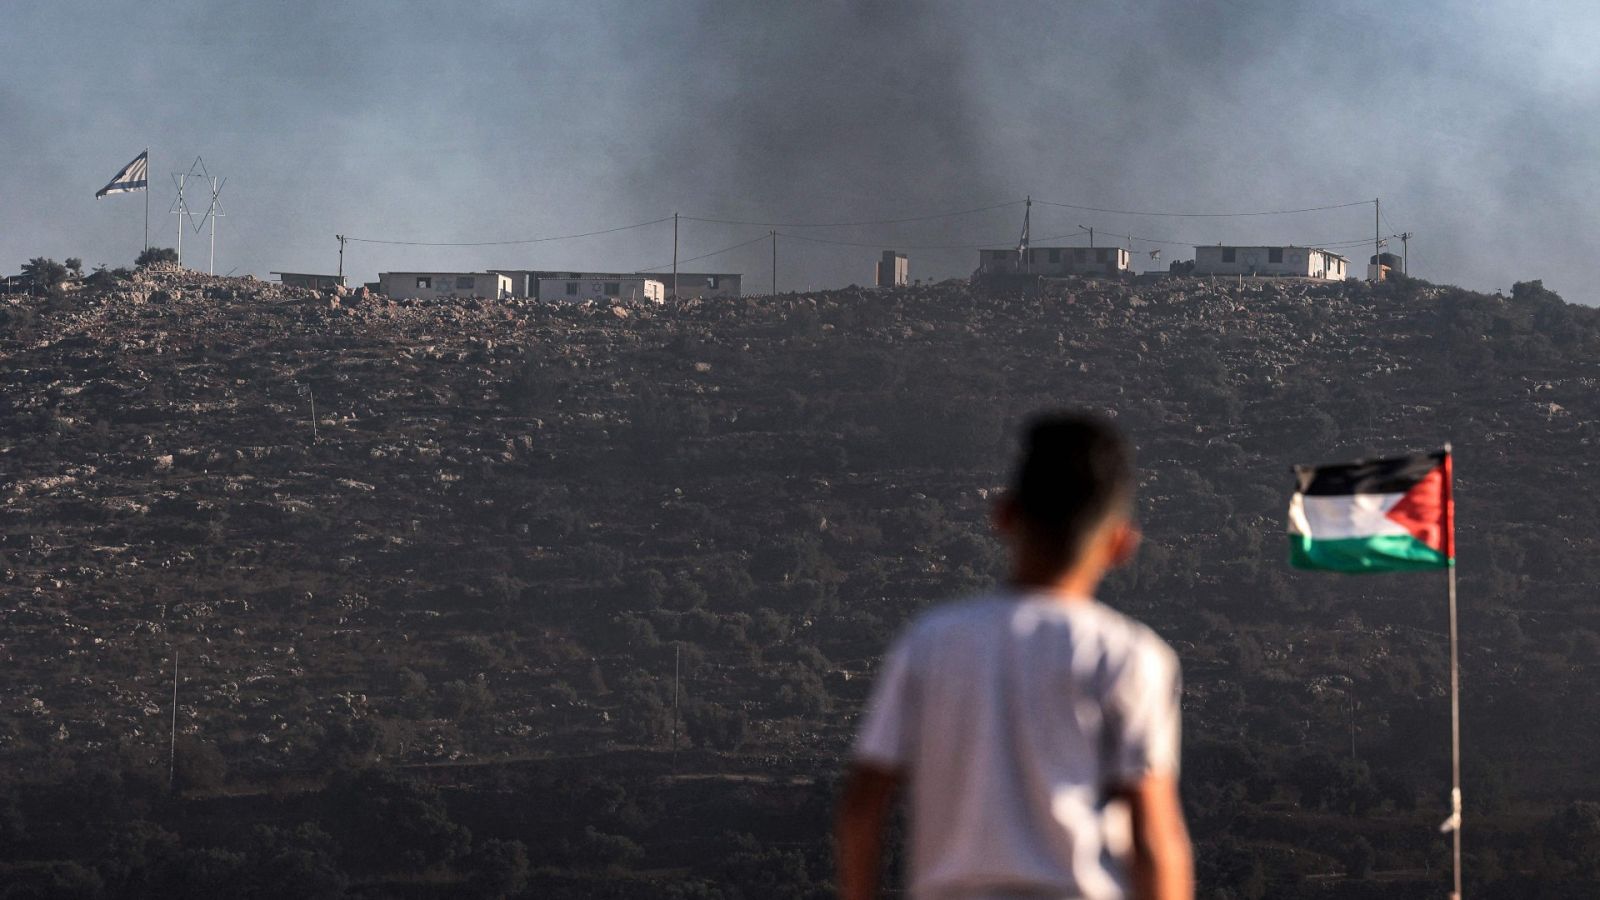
{"x": 1071, "y": 499}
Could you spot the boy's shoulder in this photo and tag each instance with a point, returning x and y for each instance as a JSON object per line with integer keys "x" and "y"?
{"x": 957, "y": 614}
{"x": 1115, "y": 632}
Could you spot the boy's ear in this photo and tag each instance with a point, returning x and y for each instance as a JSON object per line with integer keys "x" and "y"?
{"x": 1125, "y": 540}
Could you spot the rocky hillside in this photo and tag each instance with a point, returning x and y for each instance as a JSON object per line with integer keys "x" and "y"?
{"x": 504, "y": 523}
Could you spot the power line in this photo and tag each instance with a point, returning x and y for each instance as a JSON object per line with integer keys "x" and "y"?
{"x": 1315, "y": 245}
{"x": 1387, "y": 224}
{"x": 943, "y": 215}
{"x": 705, "y": 255}
{"x": 880, "y": 244}
{"x": 1354, "y": 242}
{"x": 865, "y": 222}
{"x": 538, "y": 240}
{"x": 1228, "y": 215}
{"x": 1008, "y": 243}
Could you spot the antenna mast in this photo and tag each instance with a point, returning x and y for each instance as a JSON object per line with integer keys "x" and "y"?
{"x": 214, "y": 212}
{"x": 180, "y": 209}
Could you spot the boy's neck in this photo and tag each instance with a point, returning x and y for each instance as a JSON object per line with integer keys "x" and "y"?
{"x": 1073, "y": 585}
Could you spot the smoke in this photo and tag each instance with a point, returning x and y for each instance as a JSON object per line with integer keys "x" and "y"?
{"x": 822, "y": 112}
{"x": 474, "y": 122}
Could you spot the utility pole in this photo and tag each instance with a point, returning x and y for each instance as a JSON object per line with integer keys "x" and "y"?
{"x": 774, "y": 264}
{"x": 1405, "y": 253}
{"x": 1023, "y": 253}
{"x": 341, "y": 258}
{"x": 1350, "y": 698}
{"x": 1377, "y": 244}
{"x": 677, "y": 652}
{"x": 305, "y": 391}
{"x": 172, "y": 744}
{"x": 674, "y": 256}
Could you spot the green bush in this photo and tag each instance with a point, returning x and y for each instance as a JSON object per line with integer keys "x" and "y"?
{"x": 153, "y": 255}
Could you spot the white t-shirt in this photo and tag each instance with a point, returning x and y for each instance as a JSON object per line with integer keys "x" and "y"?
{"x": 1013, "y": 715}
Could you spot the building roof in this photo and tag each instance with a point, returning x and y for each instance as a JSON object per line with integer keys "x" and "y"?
{"x": 1271, "y": 247}
{"x": 573, "y": 273}
{"x": 1057, "y": 247}
{"x": 434, "y": 272}
{"x": 600, "y": 276}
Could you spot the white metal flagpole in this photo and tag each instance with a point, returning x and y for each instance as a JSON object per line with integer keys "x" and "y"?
{"x": 1455, "y": 741}
{"x": 1453, "y": 824}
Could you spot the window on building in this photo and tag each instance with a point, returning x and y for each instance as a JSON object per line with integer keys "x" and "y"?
{"x": 1274, "y": 254}
{"x": 424, "y": 282}
{"x": 613, "y": 288}
{"x": 572, "y": 289}
{"x": 1100, "y": 256}
{"x": 1055, "y": 256}
{"x": 1229, "y": 254}
{"x": 1081, "y": 255}
{"x": 463, "y": 282}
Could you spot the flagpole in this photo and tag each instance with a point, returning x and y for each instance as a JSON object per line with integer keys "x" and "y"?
{"x": 1455, "y": 687}
{"x": 147, "y": 198}
{"x": 1455, "y": 739}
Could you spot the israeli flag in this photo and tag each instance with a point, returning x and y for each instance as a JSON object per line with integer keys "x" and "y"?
{"x": 135, "y": 176}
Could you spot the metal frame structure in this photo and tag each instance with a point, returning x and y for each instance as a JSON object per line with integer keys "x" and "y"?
{"x": 180, "y": 208}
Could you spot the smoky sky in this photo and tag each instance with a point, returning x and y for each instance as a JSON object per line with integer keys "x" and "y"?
{"x": 1475, "y": 123}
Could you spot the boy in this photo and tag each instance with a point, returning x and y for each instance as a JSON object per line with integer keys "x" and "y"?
{"x": 1036, "y": 730}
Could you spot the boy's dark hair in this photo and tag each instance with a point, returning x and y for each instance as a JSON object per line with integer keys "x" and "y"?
{"x": 1076, "y": 469}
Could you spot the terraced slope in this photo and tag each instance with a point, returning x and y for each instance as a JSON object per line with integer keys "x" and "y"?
{"x": 504, "y": 521}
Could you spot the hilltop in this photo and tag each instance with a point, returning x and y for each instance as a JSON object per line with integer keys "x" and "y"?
{"x": 513, "y": 519}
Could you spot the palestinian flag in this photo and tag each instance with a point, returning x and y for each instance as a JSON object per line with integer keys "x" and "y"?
{"x": 1384, "y": 515}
